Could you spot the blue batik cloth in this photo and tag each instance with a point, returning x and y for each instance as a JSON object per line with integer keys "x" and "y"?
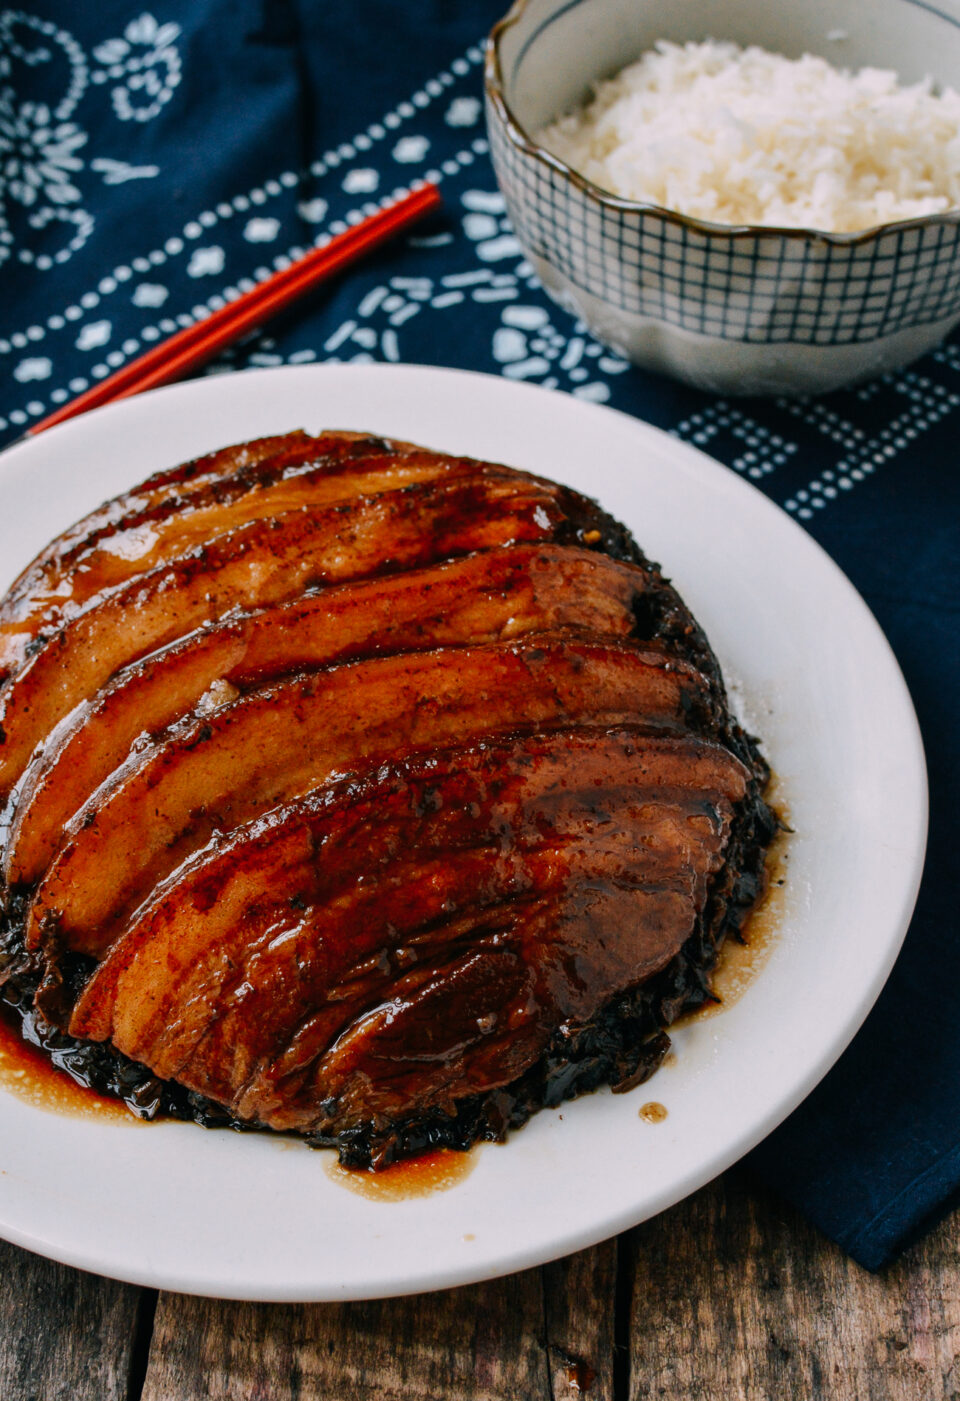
{"x": 152, "y": 160}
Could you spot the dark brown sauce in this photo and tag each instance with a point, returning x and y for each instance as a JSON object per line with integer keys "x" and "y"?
{"x": 653, "y": 1112}
{"x": 28, "y": 1073}
{"x": 740, "y": 962}
{"x": 414, "y": 1177}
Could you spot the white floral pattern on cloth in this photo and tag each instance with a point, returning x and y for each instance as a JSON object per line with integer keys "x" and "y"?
{"x": 534, "y": 342}
{"x": 313, "y": 210}
{"x": 43, "y": 159}
{"x": 528, "y": 343}
{"x": 808, "y": 455}
{"x": 145, "y": 65}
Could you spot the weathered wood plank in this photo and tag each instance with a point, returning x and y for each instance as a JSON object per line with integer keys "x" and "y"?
{"x": 732, "y": 1296}
{"x": 484, "y": 1343}
{"x": 580, "y": 1295}
{"x": 735, "y": 1296}
{"x": 64, "y": 1335}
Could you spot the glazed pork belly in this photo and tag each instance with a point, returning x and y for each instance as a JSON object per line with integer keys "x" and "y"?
{"x": 59, "y": 655}
{"x": 363, "y": 792}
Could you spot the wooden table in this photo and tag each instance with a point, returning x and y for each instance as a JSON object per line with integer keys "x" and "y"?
{"x": 729, "y": 1295}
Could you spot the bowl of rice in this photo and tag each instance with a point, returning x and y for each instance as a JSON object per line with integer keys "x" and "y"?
{"x": 757, "y": 199}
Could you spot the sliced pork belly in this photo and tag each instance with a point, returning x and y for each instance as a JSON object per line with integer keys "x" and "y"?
{"x": 303, "y": 478}
{"x": 266, "y": 562}
{"x": 484, "y": 597}
{"x": 365, "y": 792}
{"x": 169, "y": 488}
{"x": 383, "y": 946}
{"x": 216, "y": 772}
{"x": 227, "y": 471}
{"x": 296, "y": 453}
{"x": 519, "y": 788}
{"x": 478, "y": 1021}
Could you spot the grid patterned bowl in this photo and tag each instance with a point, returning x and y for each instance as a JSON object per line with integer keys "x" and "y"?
{"x": 741, "y": 309}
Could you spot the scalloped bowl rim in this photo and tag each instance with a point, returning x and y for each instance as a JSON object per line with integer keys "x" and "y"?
{"x": 494, "y": 86}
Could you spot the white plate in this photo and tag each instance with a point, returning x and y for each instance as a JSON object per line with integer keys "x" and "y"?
{"x": 176, "y": 1206}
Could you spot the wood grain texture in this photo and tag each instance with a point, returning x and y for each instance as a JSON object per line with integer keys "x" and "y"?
{"x": 736, "y": 1297}
{"x": 64, "y": 1335}
{"x": 484, "y": 1343}
{"x": 580, "y": 1300}
{"x": 730, "y": 1296}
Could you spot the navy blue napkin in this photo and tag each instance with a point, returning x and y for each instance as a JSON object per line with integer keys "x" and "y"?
{"x": 152, "y": 160}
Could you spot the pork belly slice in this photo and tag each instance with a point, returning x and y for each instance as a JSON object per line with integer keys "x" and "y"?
{"x": 482, "y": 802}
{"x": 497, "y": 594}
{"x": 298, "y": 452}
{"x": 382, "y": 946}
{"x": 215, "y": 772}
{"x": 267, "y": 562}
{"x": 169, "y": 1013}
{"x": 178, "y": 487}
{"x": 56, "y": 583}
{"x": 170, "y": 487}
{"x": 303, "y": 479}
{"x": 479, "y": 1021}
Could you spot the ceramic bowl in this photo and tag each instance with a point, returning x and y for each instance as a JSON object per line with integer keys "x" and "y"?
{"x": 734, "y": 309}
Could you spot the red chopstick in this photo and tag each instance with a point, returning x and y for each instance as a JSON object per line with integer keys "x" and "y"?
{"x": 191, "y": 347}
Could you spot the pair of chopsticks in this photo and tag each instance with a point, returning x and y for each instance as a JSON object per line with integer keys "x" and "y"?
{"x": 175, "y": 357}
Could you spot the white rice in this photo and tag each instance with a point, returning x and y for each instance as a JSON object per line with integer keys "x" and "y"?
{"x": 742, "y": 136}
